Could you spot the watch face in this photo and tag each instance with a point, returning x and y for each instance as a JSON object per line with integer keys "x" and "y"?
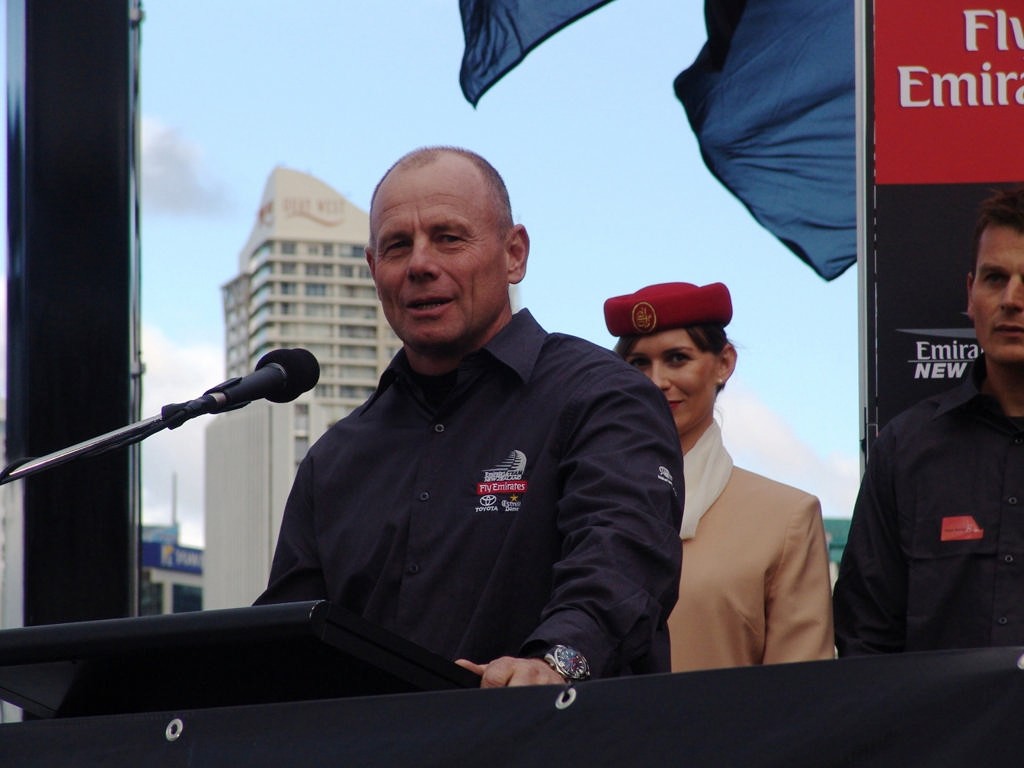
{"x": 572, "y": 663}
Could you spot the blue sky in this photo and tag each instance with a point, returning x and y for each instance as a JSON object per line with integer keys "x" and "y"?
{"x": 601, "y": 165}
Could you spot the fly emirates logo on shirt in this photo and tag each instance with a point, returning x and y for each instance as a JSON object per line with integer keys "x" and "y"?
{"x": 503, "y": 485}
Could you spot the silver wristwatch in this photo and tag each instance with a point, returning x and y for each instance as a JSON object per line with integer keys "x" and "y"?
{"x": 568, "y": 662}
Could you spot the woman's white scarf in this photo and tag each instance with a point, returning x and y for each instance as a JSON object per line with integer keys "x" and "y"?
{"x": 706, "y": 470}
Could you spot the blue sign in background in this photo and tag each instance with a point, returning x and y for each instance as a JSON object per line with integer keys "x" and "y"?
{"x": 157, "y": 554}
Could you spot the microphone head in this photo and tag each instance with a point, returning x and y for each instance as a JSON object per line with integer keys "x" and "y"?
{"x": 301, "y": 369}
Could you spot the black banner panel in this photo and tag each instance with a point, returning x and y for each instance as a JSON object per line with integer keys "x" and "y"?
{"x": 69, "y": 300}
{"x": 946, "y": 708}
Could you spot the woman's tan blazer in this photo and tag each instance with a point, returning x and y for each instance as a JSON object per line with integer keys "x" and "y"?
{"x": 755, "y": 585}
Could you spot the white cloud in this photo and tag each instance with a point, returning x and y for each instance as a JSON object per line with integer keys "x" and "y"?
{"x": 174, "y": 179}
{"x": 174, "y": 458}
{"x": 174, "y": 373}
{"x": 760, "y": 440}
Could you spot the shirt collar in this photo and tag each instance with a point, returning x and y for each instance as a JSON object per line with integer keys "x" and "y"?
{"x": 516, "y": 346}
{"x": 967, "y": 392}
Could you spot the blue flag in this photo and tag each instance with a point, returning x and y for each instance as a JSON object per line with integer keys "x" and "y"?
{"x": 499, "y": 34}
{"x": 771, "y": 100}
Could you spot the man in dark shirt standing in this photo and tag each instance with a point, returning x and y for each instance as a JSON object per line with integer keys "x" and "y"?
{"x": 508, "y": 498}
{"x": 935, "y": 556}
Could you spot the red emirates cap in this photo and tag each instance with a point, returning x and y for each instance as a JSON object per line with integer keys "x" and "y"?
{"x": 668, "y": 305}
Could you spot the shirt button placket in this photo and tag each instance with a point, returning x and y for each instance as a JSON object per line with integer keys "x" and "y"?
{"x": 425, "y": 495}
{"x": 413, "y": 568}
{"x": 1011, "y": 575}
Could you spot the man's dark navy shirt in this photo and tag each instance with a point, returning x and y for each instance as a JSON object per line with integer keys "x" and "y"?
{"x": 539, "y": 503}
{"x": 935, "y": 555}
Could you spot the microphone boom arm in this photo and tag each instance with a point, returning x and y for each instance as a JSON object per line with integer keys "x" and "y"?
{"x": 171, "y": 416}
{"x": 95, "y": 446}
{"x": 280, "y": 376}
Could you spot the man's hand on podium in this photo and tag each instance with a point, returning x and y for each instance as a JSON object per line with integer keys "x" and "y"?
{"x": 510, "y": 671}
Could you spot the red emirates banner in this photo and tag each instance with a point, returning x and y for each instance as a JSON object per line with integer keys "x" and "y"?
{"x": 949, "y": 91}
{"x": 945, "y": 94}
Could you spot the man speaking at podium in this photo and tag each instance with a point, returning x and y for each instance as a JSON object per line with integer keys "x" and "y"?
{"x": 507, "y": 498}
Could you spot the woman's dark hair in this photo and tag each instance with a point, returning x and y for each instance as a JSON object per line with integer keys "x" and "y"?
{"x": 707, "y": 337}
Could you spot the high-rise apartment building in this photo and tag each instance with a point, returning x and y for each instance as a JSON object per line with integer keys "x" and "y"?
{"x": 302, "y": 282}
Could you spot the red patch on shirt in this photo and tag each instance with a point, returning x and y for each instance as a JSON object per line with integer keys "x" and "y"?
{"x": 961, "y": 528}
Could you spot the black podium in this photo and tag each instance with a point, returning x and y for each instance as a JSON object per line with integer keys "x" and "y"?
{"x": 255, "y": 655}
{"x": 309, "y": 685}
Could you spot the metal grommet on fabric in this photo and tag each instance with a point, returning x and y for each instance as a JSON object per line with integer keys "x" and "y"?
{"x": 174, "y": 729}
{"x": 565, "y": 697}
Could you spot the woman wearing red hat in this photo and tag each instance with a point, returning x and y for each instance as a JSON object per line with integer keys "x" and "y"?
{"x": 755, "y": 584}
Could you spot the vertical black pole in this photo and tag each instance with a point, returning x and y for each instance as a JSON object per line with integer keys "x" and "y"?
{"x": 70, "y": 298}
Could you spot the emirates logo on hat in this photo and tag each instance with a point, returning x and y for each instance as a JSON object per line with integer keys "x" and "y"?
{"x": 644, "y": 317}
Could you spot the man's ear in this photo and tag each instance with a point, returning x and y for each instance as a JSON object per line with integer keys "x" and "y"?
{"x": 517, "y": 249}
{"x": 370, "y": 262}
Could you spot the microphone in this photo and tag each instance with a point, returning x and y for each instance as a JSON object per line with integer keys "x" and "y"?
{"x": 280, "y": 376}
